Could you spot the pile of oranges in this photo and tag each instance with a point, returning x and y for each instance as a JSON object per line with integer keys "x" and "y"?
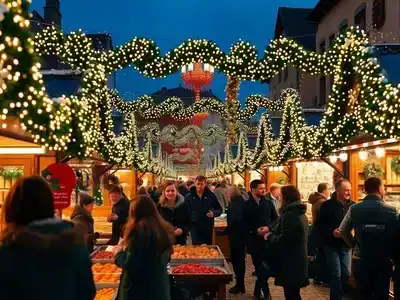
{"x": 105, "y": 268}
{"x": 194, "y": 252}
{"x": 106, "y": 277}
{"x": 105, "y": 294}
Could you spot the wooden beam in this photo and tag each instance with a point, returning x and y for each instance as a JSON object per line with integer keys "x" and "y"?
{"x": 324, "y": 159}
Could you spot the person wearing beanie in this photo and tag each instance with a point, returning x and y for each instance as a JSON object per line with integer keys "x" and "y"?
{"x": 82, "y": 218}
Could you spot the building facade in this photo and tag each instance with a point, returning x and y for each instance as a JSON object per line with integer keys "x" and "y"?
{"x": 379, "y": 18}
{"x": 292, "y": 23}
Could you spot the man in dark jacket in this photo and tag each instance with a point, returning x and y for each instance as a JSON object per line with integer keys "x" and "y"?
{"x": 204, "y": 207}
{"x": 183, "y": 188}
{"x": 337, "y": 252}
{"x": 374, "y": 223}
{"x": 259, "y": 217}
{"x": 119, "y": 215}
{"x": 396, "y": 259}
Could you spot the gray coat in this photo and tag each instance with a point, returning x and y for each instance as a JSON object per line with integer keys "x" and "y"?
{"x": 374, "y": 223}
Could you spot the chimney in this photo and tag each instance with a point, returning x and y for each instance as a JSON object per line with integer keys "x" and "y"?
{"x": 52, "y": 14}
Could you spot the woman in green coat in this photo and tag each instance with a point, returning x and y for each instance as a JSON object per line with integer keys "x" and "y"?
{"x": 148, "y": 241}
{"x": 288, "y": 244}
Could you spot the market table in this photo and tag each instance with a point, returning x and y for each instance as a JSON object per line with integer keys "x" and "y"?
{"x": 221, "y": 239}
{"x": 213, "y": 283}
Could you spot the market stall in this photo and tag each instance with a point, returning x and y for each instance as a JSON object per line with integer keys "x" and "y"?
{"x": 380, "y": 158}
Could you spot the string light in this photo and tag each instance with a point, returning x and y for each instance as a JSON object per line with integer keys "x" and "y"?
{"x": 82, "y": 124}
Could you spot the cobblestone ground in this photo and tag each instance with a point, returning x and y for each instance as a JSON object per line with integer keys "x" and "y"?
{"x": 312, "y": 292}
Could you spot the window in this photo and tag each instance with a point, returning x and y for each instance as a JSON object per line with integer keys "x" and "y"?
{"x": 360, "y": 17}
{"x": 286, "y": 73}
{"x": 343, "y": 26}
{"x": 331, "y": 39}
{"x": 322, "y": 90}
{"x": 322, "y": 47}
{"x": 378, "y": 13}
{"x": 331, "y": 80}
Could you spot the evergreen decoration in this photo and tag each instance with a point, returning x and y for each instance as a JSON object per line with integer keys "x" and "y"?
{"x": 98, "y": 195}
{"x": 396, "y": 164}
{"x": 81, "y": 124}
{"x": 373, "y": 170}
{"x": 282, "y": 180}
{"x": 11, "y": 173}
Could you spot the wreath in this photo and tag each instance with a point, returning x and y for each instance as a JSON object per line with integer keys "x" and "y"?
{"x": 109, "y": 180}
{"x": 396, "y": 164}
{"x": 373, "y": 170}
{"x": 282, "y": 181}
{"x": 10, "y": 174}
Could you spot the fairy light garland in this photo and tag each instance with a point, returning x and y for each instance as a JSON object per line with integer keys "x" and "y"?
{"x": 376, "y": 111}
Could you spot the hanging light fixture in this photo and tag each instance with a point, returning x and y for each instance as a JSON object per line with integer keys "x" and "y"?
{"x": 333, "y": 159}
{"x": 315, "y": 164}
{"x": 363, "y": 154}
{"x": 343, "y": 156}
{"x": 280, "y": 168}
{"x": 276, "y": 169}
{"x": 297, "y": 164}
{"x": 271, "y": 169}
{"x": 380, "y": 152}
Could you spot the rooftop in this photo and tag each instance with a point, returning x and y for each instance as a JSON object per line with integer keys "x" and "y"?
{"x": 322, "y": 8}
{"x": 293, "y": 23}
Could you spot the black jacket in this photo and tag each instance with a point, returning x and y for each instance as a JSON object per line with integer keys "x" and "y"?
{"x": 81, "y": 218}
{"x": 396, "y": 257}
{"x": 179, "y": 217}
{"x": 183, "y": 190}
{"x": 256, "y": 216}
{"x": 47, "y": 260}
{"x": 200, "y": 207}
{"x": 288, "y": 242}
{"x": 331, "y": 215}
{"x": 121, "y": 209}
{"x": 236, "y": 228}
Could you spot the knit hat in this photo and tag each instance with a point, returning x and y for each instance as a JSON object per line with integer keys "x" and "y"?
{"x": 85, "y": 199}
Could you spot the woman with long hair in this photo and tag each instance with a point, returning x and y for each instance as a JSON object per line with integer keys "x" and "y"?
{"x": 174, "y": 210}
{"x": 288, "y": 243}
{"x": 237, "y": 235}
{"x": 148, "y": 241}
{"x": 41, "y": 256}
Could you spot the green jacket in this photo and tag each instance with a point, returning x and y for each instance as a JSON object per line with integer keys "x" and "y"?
{"x": 47, "y": 261}
{"x": 145, "y": 275}
{"x": 288, "y": 245}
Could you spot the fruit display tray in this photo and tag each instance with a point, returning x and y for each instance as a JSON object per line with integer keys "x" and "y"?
{"x": 206, "y": 261}
{"x": 102, "y": 260}
{"x": 226, "y": 277}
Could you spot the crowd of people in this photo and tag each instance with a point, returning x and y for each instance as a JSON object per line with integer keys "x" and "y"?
{"x": 44, "y": 257}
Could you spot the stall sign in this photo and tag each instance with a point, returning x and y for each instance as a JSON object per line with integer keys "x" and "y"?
{"x": 61, "y": 178}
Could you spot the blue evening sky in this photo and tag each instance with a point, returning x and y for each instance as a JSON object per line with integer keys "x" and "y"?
{"x": 169, "y": 22}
